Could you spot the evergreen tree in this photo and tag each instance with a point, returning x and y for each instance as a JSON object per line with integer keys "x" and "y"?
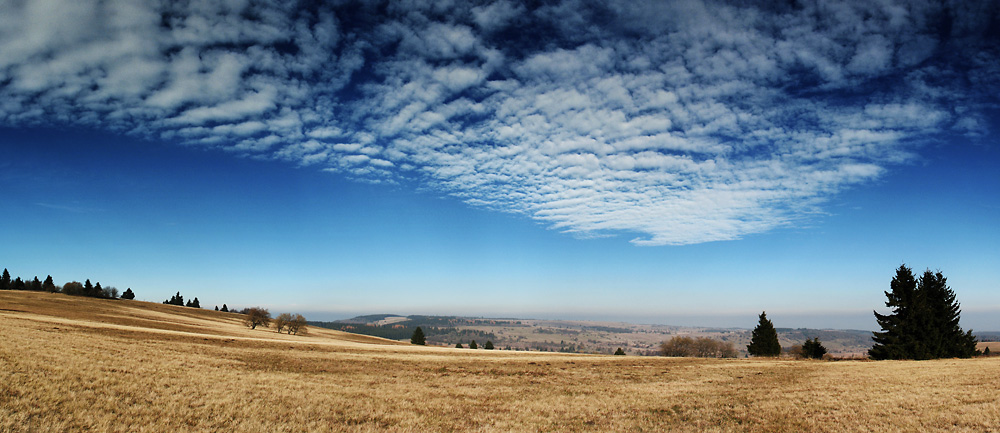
{"x": 945, "y": 338}
{"x": 224, "y": 309}
{"x": 195, "y": 303}
{"x": 128, "y": 294}
{"x": 924, "y": 323}
{"x": 175, "y": 300}
{"x": 88, "y": 289}
{"x": 488, "y": 345}
{"x": 216, "y": 308}
{"x": 48, "y": 285}
{"x": 897, "y": 338}
{"x": 5, "y": 280}
{"x": 764, "y": 339}
{"x": 17, "y": 284}
{"x": 459, "y": 346}
{"x": 98, "y": 291}
{"x": 473, "y": 345}
{"x": 620, "y": 352}
{"x": 813, "y": 349}
{"x": 418, "y": 337}
{"x": 35, "y": 285}
{"x": 986, "y": 352}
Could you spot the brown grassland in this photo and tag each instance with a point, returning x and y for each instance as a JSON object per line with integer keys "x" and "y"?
{"x": 80, "y": 364}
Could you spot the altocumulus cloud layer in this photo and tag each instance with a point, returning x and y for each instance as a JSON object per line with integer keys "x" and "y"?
{"x": 681, "y": 122}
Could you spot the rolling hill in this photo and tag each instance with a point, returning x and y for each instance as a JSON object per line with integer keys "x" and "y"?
{"x": 81, "y": 364}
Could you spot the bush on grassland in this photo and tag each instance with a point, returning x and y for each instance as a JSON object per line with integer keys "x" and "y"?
{"x": 700, "y": 347}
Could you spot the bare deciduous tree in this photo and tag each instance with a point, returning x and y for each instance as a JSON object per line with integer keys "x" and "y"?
{"x": 297, "y": 325}
{"x": 257, "y": 316}
{"x": 282, "y": 321}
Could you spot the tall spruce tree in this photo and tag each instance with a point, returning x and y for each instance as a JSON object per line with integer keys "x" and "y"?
{"x": 128, "y": 294}
{"x": 88, "y": 288}
{"x": 764, "y": 339}
{"x": 5, "y": 280}
{"x": 945, "y": 338}
{"x": 48, "y": 285}
{"x": 924, "y": 322}
{"x": 896, "y": 340}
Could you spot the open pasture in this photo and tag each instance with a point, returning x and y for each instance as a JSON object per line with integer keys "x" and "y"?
{"x": 80, "y": 364}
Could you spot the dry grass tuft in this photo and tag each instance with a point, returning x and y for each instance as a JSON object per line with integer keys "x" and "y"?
{"x": 72, "y": 364}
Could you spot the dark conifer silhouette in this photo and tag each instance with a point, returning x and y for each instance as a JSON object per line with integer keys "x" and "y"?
{"x": 488, "y": 345}
{"x": 224, "y": 309}
{"x": 924, "y": 322}
{"x": 619, "y": 352}
{"x": 473, "y": 345}
{"x": 48, "y": 285}
{"x": 175, "y": 300}
{"x": 128, "y": 294}
{"x": 764, "y": 339}
{"x": 418, "y": 337}
{"x": 813, "y": 349}
{"x": 5, "y": 280}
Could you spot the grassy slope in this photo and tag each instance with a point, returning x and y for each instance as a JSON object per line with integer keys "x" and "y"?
{"x": 71, "y": 364}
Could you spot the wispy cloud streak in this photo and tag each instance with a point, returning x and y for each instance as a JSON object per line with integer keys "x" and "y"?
{"x": 679, "y": 122}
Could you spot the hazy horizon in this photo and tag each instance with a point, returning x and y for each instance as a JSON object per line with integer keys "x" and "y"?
{"x": 701, "y": 160}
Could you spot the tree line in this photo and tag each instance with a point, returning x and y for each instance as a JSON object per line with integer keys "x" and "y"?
{"x": 74, "y": 288}
{"x": 255, "y": 316}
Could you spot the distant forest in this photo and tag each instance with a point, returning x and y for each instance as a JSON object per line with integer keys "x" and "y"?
{"x": 436, "y": 328}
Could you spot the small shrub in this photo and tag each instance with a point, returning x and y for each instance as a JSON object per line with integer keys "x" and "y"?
{"x": 701, "y": 347}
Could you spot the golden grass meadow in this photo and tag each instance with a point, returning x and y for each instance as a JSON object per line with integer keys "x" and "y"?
{"x": 82, "y": 364}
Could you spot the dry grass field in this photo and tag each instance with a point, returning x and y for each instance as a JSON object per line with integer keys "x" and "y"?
{"x": 78, "y": 364}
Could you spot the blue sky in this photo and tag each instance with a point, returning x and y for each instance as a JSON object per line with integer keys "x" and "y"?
{"x": 679, "y": 163}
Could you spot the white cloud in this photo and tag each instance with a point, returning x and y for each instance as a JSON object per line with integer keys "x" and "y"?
{"x": 673, "y": 122}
